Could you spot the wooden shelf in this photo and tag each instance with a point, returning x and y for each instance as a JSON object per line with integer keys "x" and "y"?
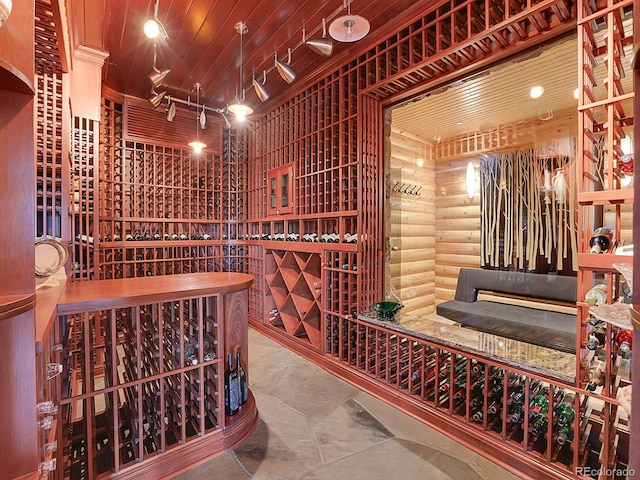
{"x": 14, "y": 80}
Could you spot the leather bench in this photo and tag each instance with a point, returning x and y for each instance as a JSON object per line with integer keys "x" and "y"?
{"x": 538, "y": 326}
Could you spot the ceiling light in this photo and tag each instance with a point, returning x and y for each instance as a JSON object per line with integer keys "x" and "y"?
{"x": 322, "y": 46}
{"x": 459, "y": 123}
{"x": 171, "y": 110}
{"x": 5, "y": 11}
{"x": 349, "y": 28}
{"x": 239, "y": 109}
{"x": 420, "y": 162}
{"x": 261, "y": 91}
{"x": 285, "y": 70}
{"x": 156, "y": 98}
{"x": 153, "y": 27}
{"x": 197, "y": 145}
{"x": 536, "y": 92}
{"x": 576, "y": 93}
{"x": 157, "y": 76}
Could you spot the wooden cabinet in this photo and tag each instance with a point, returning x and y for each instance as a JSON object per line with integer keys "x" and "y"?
{"x": 280, "y": 190}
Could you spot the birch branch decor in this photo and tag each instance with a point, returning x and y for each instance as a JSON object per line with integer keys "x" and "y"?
{"x": 521, "y": 222}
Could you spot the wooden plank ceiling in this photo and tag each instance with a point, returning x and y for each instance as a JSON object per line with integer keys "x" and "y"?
{"x": 204, "y": 47}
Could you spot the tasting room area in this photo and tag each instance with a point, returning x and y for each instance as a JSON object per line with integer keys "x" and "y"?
{"x": 432, "y": 201}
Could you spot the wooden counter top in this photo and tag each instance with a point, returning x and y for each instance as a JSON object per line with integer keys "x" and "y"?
{"x": 126, "y": 292}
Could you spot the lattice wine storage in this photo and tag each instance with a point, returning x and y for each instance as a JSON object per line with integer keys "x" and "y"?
{"x": 295, "y": 283}
{"x": 152, "y": 381}
{"x": 605, "y": 39}
{"x": 165, "y": 210}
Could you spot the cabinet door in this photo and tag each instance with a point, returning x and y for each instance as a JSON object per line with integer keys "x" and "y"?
{"x": 280, "y": 181}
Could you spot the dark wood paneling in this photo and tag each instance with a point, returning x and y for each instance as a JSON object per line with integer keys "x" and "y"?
{"x": 204, "y": 47}
{"x": 235, "y": 332}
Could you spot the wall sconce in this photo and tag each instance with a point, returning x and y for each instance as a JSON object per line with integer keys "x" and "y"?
{"x": 260, "y": 89}
{"x": 285, "y": 70}
{"x": 5, "y": 11}
{"x": 322, "y": 46}
{"x": 470, "y": 180}
{"x": 349, "y": 28}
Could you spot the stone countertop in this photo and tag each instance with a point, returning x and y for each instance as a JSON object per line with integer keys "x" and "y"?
{"x": 538, "y": 360}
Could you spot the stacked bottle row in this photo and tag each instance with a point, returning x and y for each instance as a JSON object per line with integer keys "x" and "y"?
{"x": 547, "y": 419}
{"x": 132, "y": 262}
{"x": 155, "y": 383}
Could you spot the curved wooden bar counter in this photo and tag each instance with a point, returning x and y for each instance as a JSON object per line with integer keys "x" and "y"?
{"x": 141, "y": 393}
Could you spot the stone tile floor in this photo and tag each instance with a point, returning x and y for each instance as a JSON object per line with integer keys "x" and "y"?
{"x": 314, "y": 426}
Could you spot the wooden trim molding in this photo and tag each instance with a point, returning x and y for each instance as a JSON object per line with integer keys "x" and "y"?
{"x": 12, "y": 305}
{"x": 14, "y": 80}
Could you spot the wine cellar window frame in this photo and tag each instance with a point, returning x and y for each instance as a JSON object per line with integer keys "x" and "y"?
{"x": 280, "y": 185}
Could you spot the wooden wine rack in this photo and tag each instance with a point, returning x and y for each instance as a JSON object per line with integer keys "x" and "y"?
{"x": 164, "y": 210}
{"x": 476, "y": 395}
{"x": 295, "y": 285}
{"x": 130, "y": 394}
{"x": 605, "y": 39}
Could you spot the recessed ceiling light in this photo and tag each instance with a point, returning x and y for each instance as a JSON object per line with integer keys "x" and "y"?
{"x": 576, "y": 92}
{"x": 536, "y": 92}
{"x": 459, "y": 122}
{"x": 420, "y": 162}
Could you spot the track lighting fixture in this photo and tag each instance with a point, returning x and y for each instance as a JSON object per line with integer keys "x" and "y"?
{"x": 239, "y": 109}
{"x": 261, "y": 91}
{"x": 285, "y": 70}
{"x": 153, "y": 27}
{"x": 171, "y": 110}
{"x": 156, "y": 98}
{"x": 157, "y": 76}
{"x": 197, "y": 145}
{"x": 349, "y": 28}
{"x": 322, "y": 46}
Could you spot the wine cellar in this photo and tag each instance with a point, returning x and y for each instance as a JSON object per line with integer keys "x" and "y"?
{"x": 284, "y": 227}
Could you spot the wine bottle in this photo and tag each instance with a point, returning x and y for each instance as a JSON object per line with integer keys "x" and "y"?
{"x": 596, "y": 375}
{"x": 231, "y": 388}
{"x": 565, "y": 415}
{"x": 597, "y": 338}
{"x": 597, "y": 295}
{"x": 625, "y": 164}
{"x": 601, "y": 239}
{"x": 242, "y": 377}
{"x": 624, "y": 340}
{"x": 190, "y": 353}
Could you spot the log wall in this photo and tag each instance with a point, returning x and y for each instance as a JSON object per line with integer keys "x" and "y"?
{"x": 412, "y": 225}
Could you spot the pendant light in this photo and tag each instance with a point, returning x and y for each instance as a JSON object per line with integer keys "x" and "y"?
{"x": 197, "y": 145}
{"x": 284, "y": 69}
{"x": 322, "y": 46}
{"x": 261, "y": 91}
{"x": 239, "y": 109}
{"x": 349, "y": 28}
